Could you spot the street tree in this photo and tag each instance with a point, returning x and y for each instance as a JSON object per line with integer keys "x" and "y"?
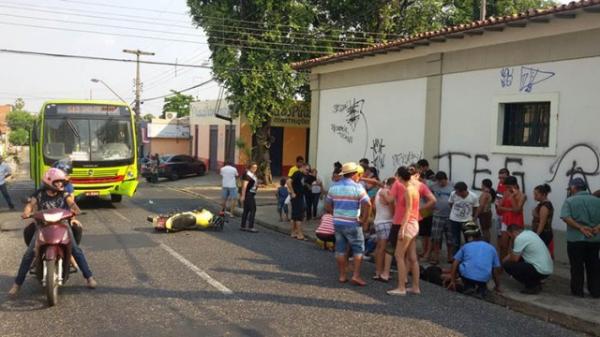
{"x": 148, "y": 117}
{"x": 178, "y": 103}
{"x": 18, "y": 119}
{"x": 18, "y": 137}
{"x": 253, "y": 44}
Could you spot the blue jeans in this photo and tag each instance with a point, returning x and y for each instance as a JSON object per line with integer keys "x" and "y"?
{"x": 30, "y": 255}
{"x": 6, "y": 196}
{"x": 349, "y": 235}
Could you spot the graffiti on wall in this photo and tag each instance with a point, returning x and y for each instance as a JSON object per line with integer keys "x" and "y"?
{"x": 506, "y": 77}
{"x": 378, "y": 155}
{"x": 529, "y": 77}
{"x": 406, "y": 158}
{"x": 352, "y": 111}
{"x": 516, "y": 165}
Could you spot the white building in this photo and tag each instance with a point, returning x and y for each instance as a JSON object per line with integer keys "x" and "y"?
{"x": 520, "y": 92}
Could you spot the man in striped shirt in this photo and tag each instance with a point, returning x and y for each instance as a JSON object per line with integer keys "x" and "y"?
{"x": 349, "y": 203}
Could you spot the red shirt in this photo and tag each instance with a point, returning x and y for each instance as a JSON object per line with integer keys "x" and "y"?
{"x": 509, "y": 217}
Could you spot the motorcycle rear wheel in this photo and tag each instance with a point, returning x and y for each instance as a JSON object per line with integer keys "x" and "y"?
{"x": 52, "y": 282}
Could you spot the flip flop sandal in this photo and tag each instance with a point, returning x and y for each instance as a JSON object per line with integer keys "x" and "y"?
{"x": 380, "y": 279}
{"x": 359, "y": 284}
{"x": 396, "y": 292}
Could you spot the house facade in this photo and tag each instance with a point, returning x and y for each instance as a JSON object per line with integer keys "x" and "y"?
{"x": 518, "y": 92}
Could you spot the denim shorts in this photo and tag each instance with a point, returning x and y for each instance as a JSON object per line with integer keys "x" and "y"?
{"x": 382, "y": 229}
{"x": 229, "y": 192}
{"x": 349, "y": 235}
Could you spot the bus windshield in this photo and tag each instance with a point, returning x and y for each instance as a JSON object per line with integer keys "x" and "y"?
{"x": 89, "y": 139}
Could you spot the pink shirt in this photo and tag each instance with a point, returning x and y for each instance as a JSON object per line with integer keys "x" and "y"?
{"x": 397, "y": 192}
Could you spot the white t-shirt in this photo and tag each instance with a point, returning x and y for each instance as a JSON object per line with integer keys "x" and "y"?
{"x": 4, "y": 170}
{"x": 229, "y": 173}
{"x": 462, "y": 209}
{"x": 316, "y": 186}
{"x": 383, "y": 213}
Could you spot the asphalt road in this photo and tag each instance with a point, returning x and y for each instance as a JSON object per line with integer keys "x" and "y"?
{"x": 228, "y": 283}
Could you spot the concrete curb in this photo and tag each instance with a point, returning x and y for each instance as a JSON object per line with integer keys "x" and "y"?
{"x": 542, "y": 313}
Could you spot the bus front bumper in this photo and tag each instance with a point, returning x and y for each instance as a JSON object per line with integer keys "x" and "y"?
{"x": 126, "y": 188}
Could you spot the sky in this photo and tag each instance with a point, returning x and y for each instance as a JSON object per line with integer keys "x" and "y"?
{"x": 37, "y": 79}
{"x": 153, "y": 22}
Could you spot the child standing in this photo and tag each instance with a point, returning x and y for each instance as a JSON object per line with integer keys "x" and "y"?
{"x": 282, "y": 194}
{"x": 486, "y": 199}
{"x": 384, "y": 214}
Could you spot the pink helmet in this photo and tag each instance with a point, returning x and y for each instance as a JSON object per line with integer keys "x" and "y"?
{"x": 53, "y": 175}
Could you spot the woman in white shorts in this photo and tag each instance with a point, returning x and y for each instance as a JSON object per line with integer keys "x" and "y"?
{"x": 384, "y": 213}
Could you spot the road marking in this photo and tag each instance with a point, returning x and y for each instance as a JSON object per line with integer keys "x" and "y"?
{"x": 120, "y": 215}
{"x": 218, "y": 285}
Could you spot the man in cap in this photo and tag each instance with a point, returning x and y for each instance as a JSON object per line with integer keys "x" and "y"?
{"x": 581, "y": 213}
{"x": 5, "y": 172}
{"x": 347, "y": 200}
{"x": 476, "y": 262}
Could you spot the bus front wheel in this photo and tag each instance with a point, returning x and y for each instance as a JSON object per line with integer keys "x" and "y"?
{"x": 116, "y": 198}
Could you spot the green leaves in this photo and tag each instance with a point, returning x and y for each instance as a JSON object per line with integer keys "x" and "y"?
{"x": 19, "y": 137}
{"x": 178, "y": 103}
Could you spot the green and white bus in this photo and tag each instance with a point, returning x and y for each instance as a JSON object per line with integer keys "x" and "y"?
{"x": 100, "y": 139}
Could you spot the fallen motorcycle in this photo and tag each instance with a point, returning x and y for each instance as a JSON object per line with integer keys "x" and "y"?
{"x": 200, "y": 219}
{"x": 52, "y": 250}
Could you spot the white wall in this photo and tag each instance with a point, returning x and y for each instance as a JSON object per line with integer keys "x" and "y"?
{"x": 389, "y": 129}
{"x": 469, "y": 106}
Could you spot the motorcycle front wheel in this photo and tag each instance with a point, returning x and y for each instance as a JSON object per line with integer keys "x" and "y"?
{"x": 52, "y": 282}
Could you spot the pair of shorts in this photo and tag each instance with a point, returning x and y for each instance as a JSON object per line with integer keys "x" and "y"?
{"x": 298, "y": 211}
{"x": 425, "y": 226}
{"x": 326, "y": 237}
{"x": 282, "y": 207}
{"x": 349, "y": 236}
{"x": 382, "y": 230}
{"x": 411, "y": 230}
{"x": 229, "y": 193}
{"x": 440, "y": 227}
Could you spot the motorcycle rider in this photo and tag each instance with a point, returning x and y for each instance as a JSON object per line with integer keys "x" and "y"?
{"x": 51, "y": 195}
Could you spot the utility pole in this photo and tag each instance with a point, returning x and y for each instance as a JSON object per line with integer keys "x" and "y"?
{"x": 483, "y": 10}
{"x": 138, "y": 82}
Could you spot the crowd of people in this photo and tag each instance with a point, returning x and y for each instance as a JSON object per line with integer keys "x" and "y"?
{"x": 361, "y": 210}
{"x": 419, "y": 204}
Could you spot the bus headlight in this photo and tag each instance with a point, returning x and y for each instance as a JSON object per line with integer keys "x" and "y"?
{"x": 130, "y": 175}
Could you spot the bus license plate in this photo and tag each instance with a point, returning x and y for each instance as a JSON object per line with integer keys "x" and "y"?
{"x": 92, "y": 194}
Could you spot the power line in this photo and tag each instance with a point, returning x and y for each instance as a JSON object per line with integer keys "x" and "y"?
{"x": 178, "y": 91}
{"x": 123, "y": 7}
{"x": 246, "y": 30}
{"x": 163, "y": 32}
{"x": 169, "y": 39}
{"x": 97, "y": 58}
{"x": 221, "y": 19}
{"x": 112, "y": 15}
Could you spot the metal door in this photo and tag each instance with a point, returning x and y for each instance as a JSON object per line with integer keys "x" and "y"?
{"x": 230, "y": 143}
{"x": 213, "y": 146}
{"x": 276, "y": 151}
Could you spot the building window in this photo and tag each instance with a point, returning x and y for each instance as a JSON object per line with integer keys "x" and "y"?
{"x": 526, "y": 124}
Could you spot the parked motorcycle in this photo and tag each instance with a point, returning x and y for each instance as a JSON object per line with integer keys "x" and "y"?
{"x": 52, "y": 250}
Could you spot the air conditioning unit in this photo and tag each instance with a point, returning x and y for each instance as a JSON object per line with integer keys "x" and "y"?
{"x": 170, "y": 115}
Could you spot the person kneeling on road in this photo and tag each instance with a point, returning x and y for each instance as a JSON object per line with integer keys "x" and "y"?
{"x": 51, "y": 195}
{"x": 476, "y": 263}
{"x": 530, "y": 261}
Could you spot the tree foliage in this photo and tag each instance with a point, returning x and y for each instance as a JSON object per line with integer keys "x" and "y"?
{"x": 178, "y": 103}
{"x": 18, "y": 119}
{"x": 19, "y": 137}
{"x": 253, "y": 42}
{"x": 148, "y": 117}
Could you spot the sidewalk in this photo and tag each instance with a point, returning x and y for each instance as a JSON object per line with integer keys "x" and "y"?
{"x": 554, "y": 304}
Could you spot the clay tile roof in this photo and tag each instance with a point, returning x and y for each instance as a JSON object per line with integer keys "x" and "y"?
{"x": 462, "y": 28}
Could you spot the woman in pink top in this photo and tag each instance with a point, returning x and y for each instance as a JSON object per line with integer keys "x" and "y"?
{"x": 409, "y": 229}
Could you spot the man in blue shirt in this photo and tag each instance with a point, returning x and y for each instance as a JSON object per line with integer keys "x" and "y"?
{"x": 476, "y": 263}
{"x": 347, "y": 200}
